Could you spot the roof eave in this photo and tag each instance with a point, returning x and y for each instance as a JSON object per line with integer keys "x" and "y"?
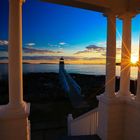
{"x": 79, "y": 4}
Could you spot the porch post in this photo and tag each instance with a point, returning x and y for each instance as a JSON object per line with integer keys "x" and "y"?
{"x": 111, "y": 55}
{"x": 14, "y": 124}
{"x": 126, "y": 56}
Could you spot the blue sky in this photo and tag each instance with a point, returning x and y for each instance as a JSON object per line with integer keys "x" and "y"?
{"x": 51, "y": 31}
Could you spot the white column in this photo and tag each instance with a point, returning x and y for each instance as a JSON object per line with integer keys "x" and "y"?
{"x": 111, "y": 55}
{"x": 126, "y": 56}
{"x": 15, "y": 52}
{"x": 14, "y": 124}
{"x": 138, "y": 80}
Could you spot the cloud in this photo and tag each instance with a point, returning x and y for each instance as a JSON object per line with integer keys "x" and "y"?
{"x": 30, "y": 44}
{"x": 62, "y": 43}
{"x": 91, "y": 48}
{"x": 3, "y": 43}
{"x": 49, "y": 58}
{"x": 94, "y": 47}
{"x": 97, "y": 52}
{"x": 52, "y": 45}
{"x": 81, "y": 52}
{"x": 93, "y": 58}
{"x": 29, "y": 50}
{"x": 55, "y": 46}
{"x": 3, "y": 49}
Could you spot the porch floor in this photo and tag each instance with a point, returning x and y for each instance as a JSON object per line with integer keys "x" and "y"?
{"x": 91, "y": 137}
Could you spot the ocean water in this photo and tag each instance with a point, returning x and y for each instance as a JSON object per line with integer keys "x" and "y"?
{"x": 71, "y": 68}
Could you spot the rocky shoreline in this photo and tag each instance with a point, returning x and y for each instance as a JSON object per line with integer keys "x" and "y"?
{"x": 50, "y": 105}
{"x": 46, "y": 87}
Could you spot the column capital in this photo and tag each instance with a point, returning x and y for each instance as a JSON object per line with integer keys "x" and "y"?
{"x": 129, "y": 15}
{"x": 20, "y": 1}
{"x": 109, "y": 14}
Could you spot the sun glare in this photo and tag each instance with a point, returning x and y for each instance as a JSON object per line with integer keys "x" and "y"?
{"x": 134, "y": 59}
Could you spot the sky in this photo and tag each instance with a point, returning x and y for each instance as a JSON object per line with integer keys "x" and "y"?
{"x": 51, "y": 31}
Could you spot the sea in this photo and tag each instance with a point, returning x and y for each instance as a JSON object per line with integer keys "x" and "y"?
{"x": 70, "y": 68}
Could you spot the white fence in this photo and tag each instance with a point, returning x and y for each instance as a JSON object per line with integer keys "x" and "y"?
{"x": 86, "y": 124}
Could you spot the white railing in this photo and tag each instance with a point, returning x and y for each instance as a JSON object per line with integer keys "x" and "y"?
{"x": 86, "y": 124}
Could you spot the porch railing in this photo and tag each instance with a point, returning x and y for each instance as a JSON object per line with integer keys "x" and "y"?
{"x": 86, "y": 124}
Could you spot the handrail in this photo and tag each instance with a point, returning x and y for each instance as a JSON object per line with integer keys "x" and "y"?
{"x": 86, "y": 114}
{"x": 86, "y": 124}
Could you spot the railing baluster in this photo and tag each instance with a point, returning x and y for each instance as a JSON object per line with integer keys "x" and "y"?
{"x": 76, "y": 124}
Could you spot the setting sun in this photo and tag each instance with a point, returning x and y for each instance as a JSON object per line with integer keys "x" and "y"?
{"x": 134, "y": 59}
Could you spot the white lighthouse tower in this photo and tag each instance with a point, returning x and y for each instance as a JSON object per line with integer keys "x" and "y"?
{"x": 61, "y": 64}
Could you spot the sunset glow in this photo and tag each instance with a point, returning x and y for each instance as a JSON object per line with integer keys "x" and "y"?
{"x": 79, "y": 37}
{"x": 134, "y": 59}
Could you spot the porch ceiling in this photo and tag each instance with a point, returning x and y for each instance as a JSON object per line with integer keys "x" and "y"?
{"x": 117, "y": 6}
{"x": 97, "y": 5}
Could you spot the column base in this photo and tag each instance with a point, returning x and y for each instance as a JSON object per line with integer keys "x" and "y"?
{"x": 110, "y": 118}
{"x": 126, "y": 96}
{"x": 119, "y": 118}
{"x": 132, "y": 120}
{"x": 14, "y": 123}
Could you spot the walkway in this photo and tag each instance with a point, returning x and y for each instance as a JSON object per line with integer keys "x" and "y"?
{"x": 72, "y": 89}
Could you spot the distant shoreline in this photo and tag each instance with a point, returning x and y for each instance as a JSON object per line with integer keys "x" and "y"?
{"x": 58, "y": 63}
{"x": 56, "y": 73}
{"x": 117, "y": 64}
{"x": 79, "y": 69}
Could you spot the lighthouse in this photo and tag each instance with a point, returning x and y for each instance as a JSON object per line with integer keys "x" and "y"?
{"x": 70, "y": 86}
{"x": 61, "y": 64}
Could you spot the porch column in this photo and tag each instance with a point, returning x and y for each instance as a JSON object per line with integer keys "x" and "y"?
{"x": 14, "y": 124}
{"x": 126, "y": 56}
{"x": 111, "y": 55}
{"x": 138, "y": 80}
{"x": 15, "y": 53}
